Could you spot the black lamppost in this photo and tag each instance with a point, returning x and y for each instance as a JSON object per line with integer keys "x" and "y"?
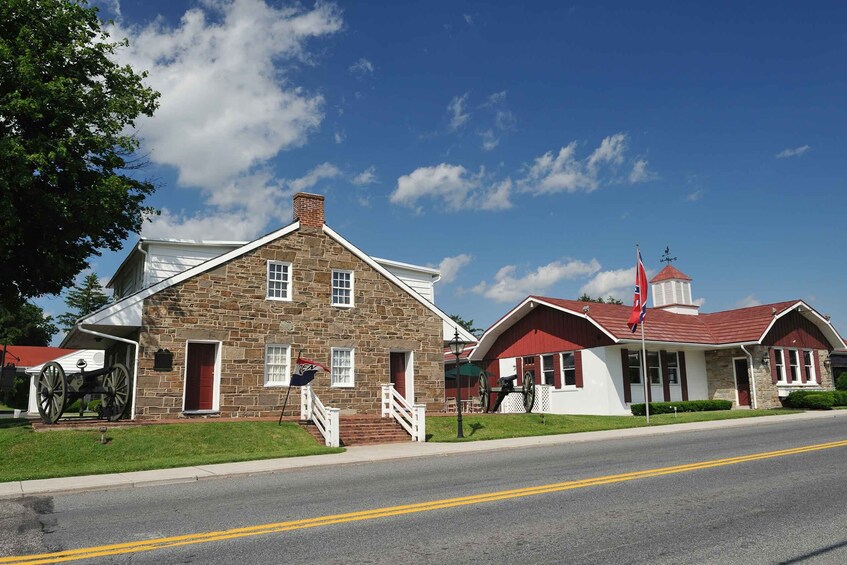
{"x": 457, "y": 346}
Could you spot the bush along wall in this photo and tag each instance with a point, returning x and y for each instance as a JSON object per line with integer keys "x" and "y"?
{"x": 815, "y": 399}
{"x": 841, "y": 382}
{"x": 683, "y": 406}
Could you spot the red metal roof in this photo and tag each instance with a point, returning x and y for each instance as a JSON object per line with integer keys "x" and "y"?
{"x": 670, "y": 272}
{"x": 730, "y": 326}
{"x": 32, "y": 355}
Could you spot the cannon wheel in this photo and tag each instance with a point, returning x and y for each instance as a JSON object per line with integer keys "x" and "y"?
{"x": 484, "y": 391}
{"x": 528, "y": 391}
{"x": 52, "y": 390}
{"x": 118, "y": 389}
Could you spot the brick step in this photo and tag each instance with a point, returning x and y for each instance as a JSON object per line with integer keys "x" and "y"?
{"x": 358, "y": 430}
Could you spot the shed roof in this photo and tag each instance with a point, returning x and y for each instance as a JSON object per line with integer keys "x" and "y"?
{"x": 32, "y": 355}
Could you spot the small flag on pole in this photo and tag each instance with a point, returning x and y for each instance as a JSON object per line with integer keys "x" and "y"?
{"x": 305, "y": 371}
{"x": 639, "y": 300}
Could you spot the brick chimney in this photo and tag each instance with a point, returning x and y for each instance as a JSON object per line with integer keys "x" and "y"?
{"x": 309, "y": 209}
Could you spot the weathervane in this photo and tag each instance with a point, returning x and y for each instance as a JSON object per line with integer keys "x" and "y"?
{"x": 666, "y": 258}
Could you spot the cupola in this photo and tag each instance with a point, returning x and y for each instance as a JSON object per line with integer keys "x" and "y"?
{"x": 672, "y": 291}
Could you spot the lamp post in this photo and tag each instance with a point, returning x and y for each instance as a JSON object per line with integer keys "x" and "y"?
{"x": 457, "y": 346}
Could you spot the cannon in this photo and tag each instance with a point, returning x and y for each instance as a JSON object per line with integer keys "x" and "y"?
{"x": 56, "y": 390}
{"x": 507, "y": 385}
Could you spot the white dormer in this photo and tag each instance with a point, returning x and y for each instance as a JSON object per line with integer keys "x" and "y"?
{"x": 672, "y": 292}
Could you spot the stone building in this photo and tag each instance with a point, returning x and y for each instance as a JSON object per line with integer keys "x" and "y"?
{"x": 592, "y": 363}
{"x": 230, "y": 319}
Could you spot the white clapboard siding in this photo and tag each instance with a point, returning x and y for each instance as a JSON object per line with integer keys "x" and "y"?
{"x": 167, "y": 260}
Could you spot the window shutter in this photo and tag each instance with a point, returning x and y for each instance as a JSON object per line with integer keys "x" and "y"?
{"x": 817, "y": 362}
{"x": 786, "y": 364}
{"x": 666, "y": 386}
{"x": 801, "y": 359}
{"x": 627, "y": 390}
{"x": 683, "y": 376}
{"x": 577, "y": 364}
{"x": 519, "y": 370}
{"x": 557, "y": 370}
{"x": 772, "y": 361}
{"x": 539, "y": 368}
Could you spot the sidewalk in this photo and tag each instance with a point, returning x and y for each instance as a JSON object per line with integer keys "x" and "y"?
{"x": 367, "y": 454}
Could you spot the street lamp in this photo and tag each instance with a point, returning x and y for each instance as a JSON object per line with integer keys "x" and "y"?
{"x": 457, "y": 346}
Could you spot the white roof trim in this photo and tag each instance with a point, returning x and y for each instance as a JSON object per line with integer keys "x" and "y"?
{"x": 822, "y": 323}
{"x": 427, "y": 270}
{"x": 463, "y": 333}
{"x": 101, "y": 315}
{"x": 512, "y": 317}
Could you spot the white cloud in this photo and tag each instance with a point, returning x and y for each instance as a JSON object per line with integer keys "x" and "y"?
{"x": 695, "y": 196}
{"x": 362, "y": 67}
{"x": 338, "y": 137}
{"x": 368, "y": 176}
{"x": 489, "y": 140}
{"x": 228, "y": 105}
{"x": 616, "y": 283}
{"x": 313, "y": 177}
{"x": 506, "y": 287}
{"x": 458, "y": 115}
{"x": 237, "y": 226}
{"x": 565, "y": 172}
{"x": 455, "y": 186}
{"x": 795, "y": 152}
{"x": 747, "y": 301}
{"x": 468, "y": 19}
{"x": 698, "y": 301}
{"x": 450, "y": 266}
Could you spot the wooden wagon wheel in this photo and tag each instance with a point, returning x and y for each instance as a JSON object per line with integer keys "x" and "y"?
{"x": 484, "y": 391}
{"x": 118, "y": 389}
{"x": 528, "y": 391}
{"x": 52, "y": 390}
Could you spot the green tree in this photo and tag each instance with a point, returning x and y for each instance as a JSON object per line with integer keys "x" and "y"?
{"x": 25, "y": 324}
{"x": 83, "y": 299}
{"x": 67, "y": 166}
{"x": 468, "y": 325}
{"x": 609, "y": 299}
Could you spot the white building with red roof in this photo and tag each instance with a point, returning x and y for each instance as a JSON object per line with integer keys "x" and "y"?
{"x": 591, "y": 360}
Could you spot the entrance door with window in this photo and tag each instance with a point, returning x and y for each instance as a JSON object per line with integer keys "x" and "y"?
{"x": 200, "y": 376}
{"x": 742, "y": 382}
{"x": 397, "y": 369}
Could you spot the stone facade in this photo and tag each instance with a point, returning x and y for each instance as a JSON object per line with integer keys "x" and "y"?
{"x": 721, "y": 377}
{"x": 227, "y": 306}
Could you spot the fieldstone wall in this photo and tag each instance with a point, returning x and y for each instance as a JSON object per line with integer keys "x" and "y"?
{"x": 228, "y": 305}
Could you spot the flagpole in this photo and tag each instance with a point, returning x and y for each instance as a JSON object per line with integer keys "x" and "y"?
{"x": 646, "y": 378}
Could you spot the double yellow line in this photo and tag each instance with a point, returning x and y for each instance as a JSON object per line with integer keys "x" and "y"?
{"x": 264, "y": 529}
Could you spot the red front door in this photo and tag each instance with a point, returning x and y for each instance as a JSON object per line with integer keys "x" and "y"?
{"x": 397, "y": 368}
{"x": 200, "y": 376}
{"x": 742, "y": 380}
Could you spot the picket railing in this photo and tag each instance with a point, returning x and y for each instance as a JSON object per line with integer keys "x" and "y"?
{"x": 412, "y": 418}
{"x": 325, "y": 419}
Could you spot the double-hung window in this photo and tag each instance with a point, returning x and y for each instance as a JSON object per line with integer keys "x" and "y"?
{"x": 343, "y": 367}
{"x": 793, "y": 366}
{"x": 653, "y": 368}
{"x": 277, "y": 365}
{"x": 342, "y": 288}
{"x": 568, "y": 369}
{"x": 547, "y": 371}
{"x": 634, "y": 368}
{"x": 279, "y": 280}
{"x": 673, "y": 368}
{"x": 779, "y": 365}
{"x": 810, "y": 367}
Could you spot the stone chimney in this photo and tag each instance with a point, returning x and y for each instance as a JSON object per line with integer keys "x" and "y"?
{"x": 309, "y": 209}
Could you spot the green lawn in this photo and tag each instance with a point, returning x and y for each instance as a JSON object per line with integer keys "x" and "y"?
{"x": 498, "y": 426}
{"x": 36, "y": 455}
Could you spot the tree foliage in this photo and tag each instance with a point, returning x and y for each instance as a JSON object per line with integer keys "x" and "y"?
{"x": 83, "y": 299}
{"x": 468, "y": 325}
{"x": 609, "y": 299}
{"x": 24, "y": 323}
{"x": 67, "y": 110}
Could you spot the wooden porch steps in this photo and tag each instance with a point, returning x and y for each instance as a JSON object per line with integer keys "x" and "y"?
{"x": 364, "y": 430}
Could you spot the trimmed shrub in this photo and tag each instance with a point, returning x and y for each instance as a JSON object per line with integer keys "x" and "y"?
{"x": 841, "y": 382}
{"x": 839, "y": 397}
{"x": 815, "y": 399}
{"x": 797, "y": 398}
{"x": 819, "y": 401}
{"x": 683, "y": 406}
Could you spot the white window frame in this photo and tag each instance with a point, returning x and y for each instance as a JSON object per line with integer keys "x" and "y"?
{"x": 811, "y": 374}
{"x": 779, "y": 362}
{"x": 333, "y": 373}
{"x": 793, "y": 364}
{"x": 545, "y": 371}
{"x": 287, "y": 373}
{"x": 637, "y": 355}
{"x": 675, "y": 356}
{"x": 564, "y": 381}
{"x": 289, "y": 290}
{"x": 352, "y": 288}
{"x": 658, "y": 367}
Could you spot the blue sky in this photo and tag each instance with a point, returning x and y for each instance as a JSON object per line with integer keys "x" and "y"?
{"x": 522, "y": 149}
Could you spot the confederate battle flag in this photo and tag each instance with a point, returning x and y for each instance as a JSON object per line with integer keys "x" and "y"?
{"x": 639, "y": 300}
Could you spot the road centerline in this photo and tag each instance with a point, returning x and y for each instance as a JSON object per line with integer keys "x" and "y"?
{"x": 278, "y": 527}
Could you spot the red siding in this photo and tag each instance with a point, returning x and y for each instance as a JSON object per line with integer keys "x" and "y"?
{"x": 545, "y": 330}
{"x": 683, "y": 376}
{"x": 795, "y": 331}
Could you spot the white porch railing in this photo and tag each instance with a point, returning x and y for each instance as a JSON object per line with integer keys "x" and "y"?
{"x": 412, "y": 418}
{"x": 325, "y": 419}
{"x": 513, "y": 403}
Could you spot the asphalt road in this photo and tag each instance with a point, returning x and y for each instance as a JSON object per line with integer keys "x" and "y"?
{"x": 787, "y": 508}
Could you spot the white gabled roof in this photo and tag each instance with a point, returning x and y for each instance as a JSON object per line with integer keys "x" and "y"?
{"x": 127, "y": 311}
